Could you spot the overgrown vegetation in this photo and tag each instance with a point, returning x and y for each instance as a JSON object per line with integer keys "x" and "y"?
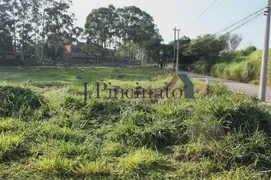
{"x": 218, "y": 135}
{"x": 17, "y": 100}
{"x": 243, "y": 65}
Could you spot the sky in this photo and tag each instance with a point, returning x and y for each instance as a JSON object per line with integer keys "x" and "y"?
{"x": 182, "y": 14}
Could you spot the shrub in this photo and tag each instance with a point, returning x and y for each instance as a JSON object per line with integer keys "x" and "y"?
{"x": 16, "y": 100}
{"x": 218, "y": 70}
{"x": 249, "y": 50}
{"x": 240, "y": 59}
{"x": 201, "y": 67}
{"x": 233, "y": 71}
{"x": 229, "y": 57}
{"x": 248, "y": 71}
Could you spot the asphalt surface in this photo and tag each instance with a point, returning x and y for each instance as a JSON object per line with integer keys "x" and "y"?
{"x": 232, "y": 85}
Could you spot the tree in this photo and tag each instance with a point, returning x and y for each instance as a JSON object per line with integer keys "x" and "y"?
{"x": 166, "y": 54}
{"x": 26, "y": 24}
{"x": 100, "y": 25}
{"x": 184, "y": 54}
{"x": 208, "y": 47}
{"x": 24, "y": 27}
{"x": 36, "y": 20}
{"x": 136, "y": 25}
{"x": 234, "y": 41}
{"x": 5, "y": 27}
{"x": 59, "y": 27}
{"x": 158, "y": 52}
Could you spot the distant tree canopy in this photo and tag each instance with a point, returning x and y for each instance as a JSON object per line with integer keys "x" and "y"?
{"x": 40, "y": 28}
{"x": 115, "y": 27}
{"x": 27, "y": 24}
{"x": 208, "y": 46}
{"x": 128, "y": 28}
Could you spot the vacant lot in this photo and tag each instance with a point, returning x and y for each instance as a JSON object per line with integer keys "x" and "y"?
{"x": 47, "y": 132}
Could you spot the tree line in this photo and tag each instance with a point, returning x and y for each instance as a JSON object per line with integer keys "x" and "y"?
{"x": 210, "y": 48}
{"x": 31, "y": 27}
{"x": 38, "y": 29}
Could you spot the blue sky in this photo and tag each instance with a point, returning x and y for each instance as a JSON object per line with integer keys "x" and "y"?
{"x": 181, "y": 13}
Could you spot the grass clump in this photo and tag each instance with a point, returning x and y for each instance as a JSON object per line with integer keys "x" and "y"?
{"x": 12, "y": 146}
{"x": 17, "y": 100}
{"x": 142, "y": 162}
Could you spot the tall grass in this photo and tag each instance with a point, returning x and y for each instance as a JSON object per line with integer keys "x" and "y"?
{"x": 201, "y": 67}
{"x": 243, "y": 66}
{"x": 221, "y": 135}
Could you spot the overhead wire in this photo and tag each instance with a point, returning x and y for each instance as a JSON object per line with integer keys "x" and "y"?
{"x": 263, "y": 7}
{"x": 244, "y": 21}
{"x": 217, "y": 6}
{"x": 205, "y": 11}
{"x": 255, "y": 13}
{"x": 208, "y": 43}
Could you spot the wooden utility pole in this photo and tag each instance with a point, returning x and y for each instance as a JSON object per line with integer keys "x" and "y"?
{"x": 264, "y": 69}
{"x": 178, "y": 45}
{"x": 174, "y": 59}
{"x": 42, "y": 42}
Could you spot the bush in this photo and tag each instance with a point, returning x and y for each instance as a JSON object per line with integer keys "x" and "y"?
{"x": 201, "y": 67}
{"x": 249, "y": 50}
{"x": 240, "y": 59}
{"x": 243, "y": 66}
{"x": 218, "y": 70}
{"x": 16, "y": 100}
{"x": 229, "y": 57}
{"x": 233, "y": 72}
{"x": 248, "y": 71}
{"x": 243, "y": 72}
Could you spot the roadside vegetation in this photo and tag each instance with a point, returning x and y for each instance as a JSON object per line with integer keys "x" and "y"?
{"x": 243, "y": 66}
{"x": 47, "y": 132}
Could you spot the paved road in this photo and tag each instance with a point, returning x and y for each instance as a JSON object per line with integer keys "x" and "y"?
{"x": 233, "y": 85}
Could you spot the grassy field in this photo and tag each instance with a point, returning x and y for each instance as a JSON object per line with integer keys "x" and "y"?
{"x": 47, "y": 132}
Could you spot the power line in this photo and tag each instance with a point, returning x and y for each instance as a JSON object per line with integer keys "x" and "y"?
{"x": 208, "y": 43}
{"x": 255, "y": 13}
{"x": 205, "y": 12}
{"x": 263, "y": 7}
{"x": 217, "y": 6}
{"x": 254, "y": 18}
{"x": 247, "y": 19}
{"x": 211, "y": 5}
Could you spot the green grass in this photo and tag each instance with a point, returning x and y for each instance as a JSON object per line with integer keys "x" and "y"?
{"x": 49, "y": 133}
{"x": 49, "y": 76}
{"x": 237, "y": 65}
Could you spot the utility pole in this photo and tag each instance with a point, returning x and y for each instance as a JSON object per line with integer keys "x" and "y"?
{"x": 178, "y": 44}
{"x": 264, "y": 69}
{"x": 42, "y": 45}
{"x": 174, "y": 59}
